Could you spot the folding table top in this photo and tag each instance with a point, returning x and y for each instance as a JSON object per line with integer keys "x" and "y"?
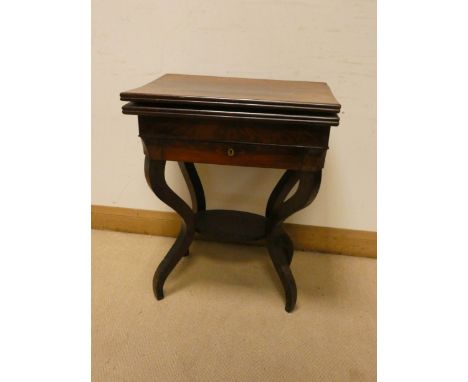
{"x": 209, "y": 90}
{"x": 234, "y": 97}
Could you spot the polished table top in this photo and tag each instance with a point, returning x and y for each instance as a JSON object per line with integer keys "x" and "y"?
{"x": 210, "y": 90}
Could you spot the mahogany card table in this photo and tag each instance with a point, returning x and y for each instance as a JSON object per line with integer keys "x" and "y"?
{"x": 241, "y": 122}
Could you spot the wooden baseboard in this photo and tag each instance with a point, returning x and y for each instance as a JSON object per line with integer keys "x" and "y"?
{"x": 305, "y": 237}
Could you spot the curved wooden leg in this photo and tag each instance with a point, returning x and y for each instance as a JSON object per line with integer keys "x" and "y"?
{"x": 281, "y": 259}
{"x": 154, "y": 173}
{"x": 194, "y": 185}
{"x": 281, "y": 190}
{"x": 280, "y": 246}
{"x": 287, "y": 246}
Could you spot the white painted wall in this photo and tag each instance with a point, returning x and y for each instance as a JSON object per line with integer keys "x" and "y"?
{"x": 334, "y": 41}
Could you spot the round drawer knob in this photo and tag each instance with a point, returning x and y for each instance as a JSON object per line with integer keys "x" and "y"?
{"x": 230, "y": 152}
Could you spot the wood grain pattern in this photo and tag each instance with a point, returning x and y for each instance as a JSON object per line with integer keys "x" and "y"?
{"x": 235, "y": 154}
{"x": 244, "y": 131}
{"x": 257, "y": 123}
{"x": 251, "y": 143}
{"x": 187, "y": 119}
{"x": 206, "y": 90}
{"x": 307, "y": 238}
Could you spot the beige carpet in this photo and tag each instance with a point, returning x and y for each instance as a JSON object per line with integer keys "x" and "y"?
{"x": 223, "y": 317}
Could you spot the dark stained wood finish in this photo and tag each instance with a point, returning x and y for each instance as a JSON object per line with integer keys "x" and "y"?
{"x": 208, "y": 90}
{"x": 252, "y": 143}
{"x": 194, "y": 185}
{"x": 234, "y": 226}
{"x": 151, "y": 110}
{"x": 226, "y": 130}
{"x": 280, "y": 246}
{"x": 243, "y": 122}
{"x": 154, "y": 172}
{"x": 235, "y": 154}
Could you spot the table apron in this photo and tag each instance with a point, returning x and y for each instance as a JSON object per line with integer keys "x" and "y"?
{"x": 236, "y": 154}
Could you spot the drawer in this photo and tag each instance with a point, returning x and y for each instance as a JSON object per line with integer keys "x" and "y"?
{"x": 235, "y": 153}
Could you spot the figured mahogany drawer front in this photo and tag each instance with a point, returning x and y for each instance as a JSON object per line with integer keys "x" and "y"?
{"x": 235, "y": 154}
{"x": 227, "y": 130}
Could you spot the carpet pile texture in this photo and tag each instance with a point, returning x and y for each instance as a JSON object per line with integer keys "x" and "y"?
{"x": 223, "y": 316}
